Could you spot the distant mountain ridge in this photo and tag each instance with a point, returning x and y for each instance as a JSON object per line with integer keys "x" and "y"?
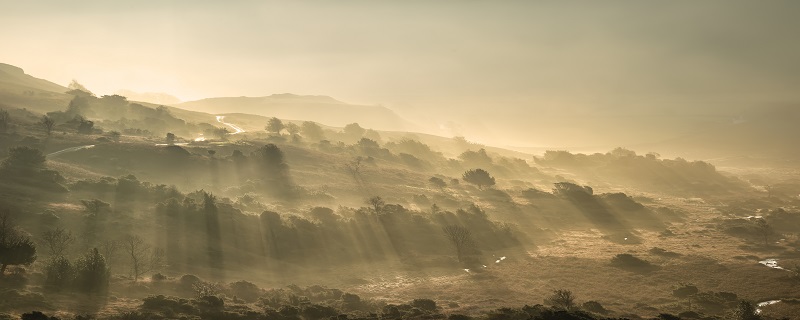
{"x": 323, "y": 109}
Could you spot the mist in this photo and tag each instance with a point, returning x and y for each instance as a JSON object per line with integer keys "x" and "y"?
{"x": 399, "y": 160}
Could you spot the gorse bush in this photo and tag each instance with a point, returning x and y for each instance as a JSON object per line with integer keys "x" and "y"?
{"x": 91, "y": 273}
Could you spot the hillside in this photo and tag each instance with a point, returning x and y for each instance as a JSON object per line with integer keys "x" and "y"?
{"x": 312, "y": 108}
{"x": 20, "y": 90}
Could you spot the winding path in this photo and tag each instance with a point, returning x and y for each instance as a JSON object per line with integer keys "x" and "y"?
{"x": 237, "y": 129}
{"x": 70, "y": 150}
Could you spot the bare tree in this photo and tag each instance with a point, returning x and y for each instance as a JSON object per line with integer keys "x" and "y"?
{"x": 561, "y": 298}
{"x": 461, "y": 238}
{"x": 376, "y": 203}
{"x": 143, "y": 258}
{"x": 354, "y": 168}
{"x": 57, "y": 241}
{"x": 48, "y": 124}
{"x": 764, "y": 230}
{"x": 109, "y": 249}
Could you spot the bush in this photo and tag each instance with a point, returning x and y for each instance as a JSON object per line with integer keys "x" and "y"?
{"x": 629, "y": 261}
{"x": 158, "y": 277}
{"x": 91, "y": 273}
{"x": 36, "y": 315}
{"x": 59, "y": 273}
{"x": 246, "y": 291}
{"x": 594, "y": 306}
{"x": 424, "y": 304}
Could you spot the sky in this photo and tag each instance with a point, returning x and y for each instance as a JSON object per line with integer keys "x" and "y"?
{"x": 491, "y": 69}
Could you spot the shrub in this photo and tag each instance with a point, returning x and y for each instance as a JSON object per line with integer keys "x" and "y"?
{"x": 91, "y": 272}
{"x": 594, "y": 306}
{"x": 246, "y": 291}
{"x": 563, "y": 299}
{"x": 629, "y": 261}
{"x": 59, "y": 273}
{"x": 424, "y": 304}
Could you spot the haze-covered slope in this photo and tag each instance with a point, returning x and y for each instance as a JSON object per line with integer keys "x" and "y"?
{"x": 765, "y": 133}
{"x": 20, "y": 90}
{"x": 321, "y": 109}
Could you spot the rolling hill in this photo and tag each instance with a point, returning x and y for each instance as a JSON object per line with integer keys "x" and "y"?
{"x": 320, "y": 109}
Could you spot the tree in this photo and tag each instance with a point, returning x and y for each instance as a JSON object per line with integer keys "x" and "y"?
{"x": 292, "y": 128}
{"x": 15, "y": 247}
{"x": 91, "y": 272}
{"x": 461, "y": 239}
{"x": 275, "y": 126}
{"x": 563, "y": 299}
{"x": 478, "y": 177}
{"x": 23, "y": 160}
{"x": 5, "y": 120}
{"x": 170, "y": 138}
{"x": 764, "y": 230}
{"x": 59, "y": 273}
{"x": 354, "y": 168}
{"x": 354, "y": 131}
{"x": 57, "y": 241}
{"x": 377, "y": 204}
{"x": 115, "y": 135}
{"x": 221, "y": 133}
{"x": 48, "y": 124}
{"x": 437, "y": 182}
{"x": 85, "y": 126}
{"x": 312, "y": 131}
{"x": 142, "y": 257}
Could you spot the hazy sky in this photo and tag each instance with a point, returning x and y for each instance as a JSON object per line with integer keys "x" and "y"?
{"x": 425, "y": 59}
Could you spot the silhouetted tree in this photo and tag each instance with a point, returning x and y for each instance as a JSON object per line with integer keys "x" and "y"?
{"x": 91, "y": 272}
{"x": 221, "y": 133}
{"x": 461, "y": 239}
{"x": 562, "y": 299}
{"x": 478, "y": 177}
{"x": 765, "y": 231}
{"x": 57, "y": 241}
{"x": 48, "y": 124}
{"x": 377, "y": 204}
{"x": 275, "y": 126}
{"x": 143, "y": 258}
{"x": 15, "y": 247}
{"x": 170, "y": 138}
